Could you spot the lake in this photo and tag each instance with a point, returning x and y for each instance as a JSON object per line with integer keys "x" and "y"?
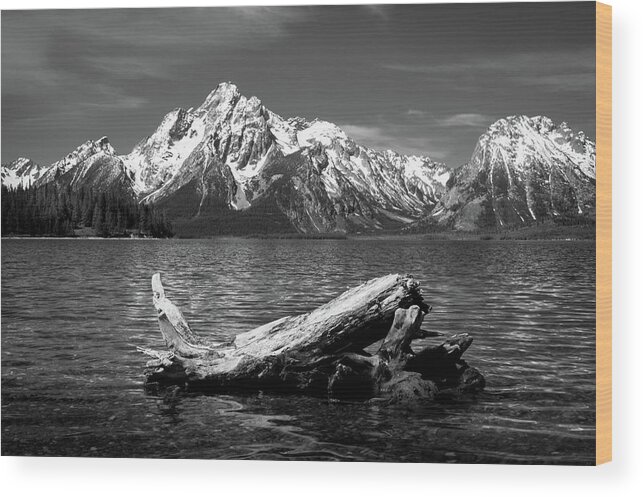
{"x": 74, "y": 311}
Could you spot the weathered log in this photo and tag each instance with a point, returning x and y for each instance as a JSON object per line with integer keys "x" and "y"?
{"x": 322, "y": 351}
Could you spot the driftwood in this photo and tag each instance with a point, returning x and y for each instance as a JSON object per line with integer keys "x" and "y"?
{"x": 322, "y": 352}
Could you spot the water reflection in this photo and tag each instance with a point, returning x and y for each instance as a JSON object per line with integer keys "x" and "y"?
{"x": 73, "y": 312}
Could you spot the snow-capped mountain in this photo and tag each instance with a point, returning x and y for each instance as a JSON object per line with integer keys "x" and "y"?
{"x": 232, "y": 154}
{"x": 524, "y": 170}
{"x": 232, "y": 166}
{"x": 24, "y": 172}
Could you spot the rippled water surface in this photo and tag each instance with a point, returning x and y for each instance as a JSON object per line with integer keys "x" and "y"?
{"x": 73, "y": 312}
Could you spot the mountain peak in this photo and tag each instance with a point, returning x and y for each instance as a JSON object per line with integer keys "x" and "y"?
{"x": 227, "y": 86}
{"x": 224, "y": 92}
{"x": 18, "y": 163}
{"x": 521, "y": 122}
{"x": 521, "y": 127}
{"x": 524, "y": 170}
{"x": 323, "y": 132}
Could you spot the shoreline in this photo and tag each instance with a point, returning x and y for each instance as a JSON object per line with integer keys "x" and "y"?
{"x": 414, "y": 237}
{"x": 76, "y": 238}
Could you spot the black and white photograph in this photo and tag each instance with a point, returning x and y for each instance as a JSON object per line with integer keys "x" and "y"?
{"x": 300, "y": 233}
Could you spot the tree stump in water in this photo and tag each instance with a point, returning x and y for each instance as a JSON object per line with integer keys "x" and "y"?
{"x": 322, "y": 352}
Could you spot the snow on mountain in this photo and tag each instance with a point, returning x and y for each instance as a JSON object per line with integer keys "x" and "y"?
{"x": 521, "y": 140}
{"x": 21, "y": 172}
{"x": 227, "y": 125}
{"x": 239, "y": 134}
{"x": 523, "y": 170}
{"x": 233, "y": 155}
{"x": 399, "y": 187}
{"x": 82, "y": 153}
{"x": 24, "y": 172}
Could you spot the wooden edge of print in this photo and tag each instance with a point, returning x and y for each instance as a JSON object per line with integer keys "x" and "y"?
{"x": 603, "y": 233}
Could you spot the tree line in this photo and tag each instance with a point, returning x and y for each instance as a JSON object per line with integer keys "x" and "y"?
{"x": 55, "y": 210}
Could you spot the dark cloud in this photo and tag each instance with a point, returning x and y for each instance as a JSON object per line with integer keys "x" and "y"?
{"x": 414, "y": 78}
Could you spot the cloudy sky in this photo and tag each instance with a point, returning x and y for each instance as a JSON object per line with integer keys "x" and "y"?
{"x": 419, "y": 79}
